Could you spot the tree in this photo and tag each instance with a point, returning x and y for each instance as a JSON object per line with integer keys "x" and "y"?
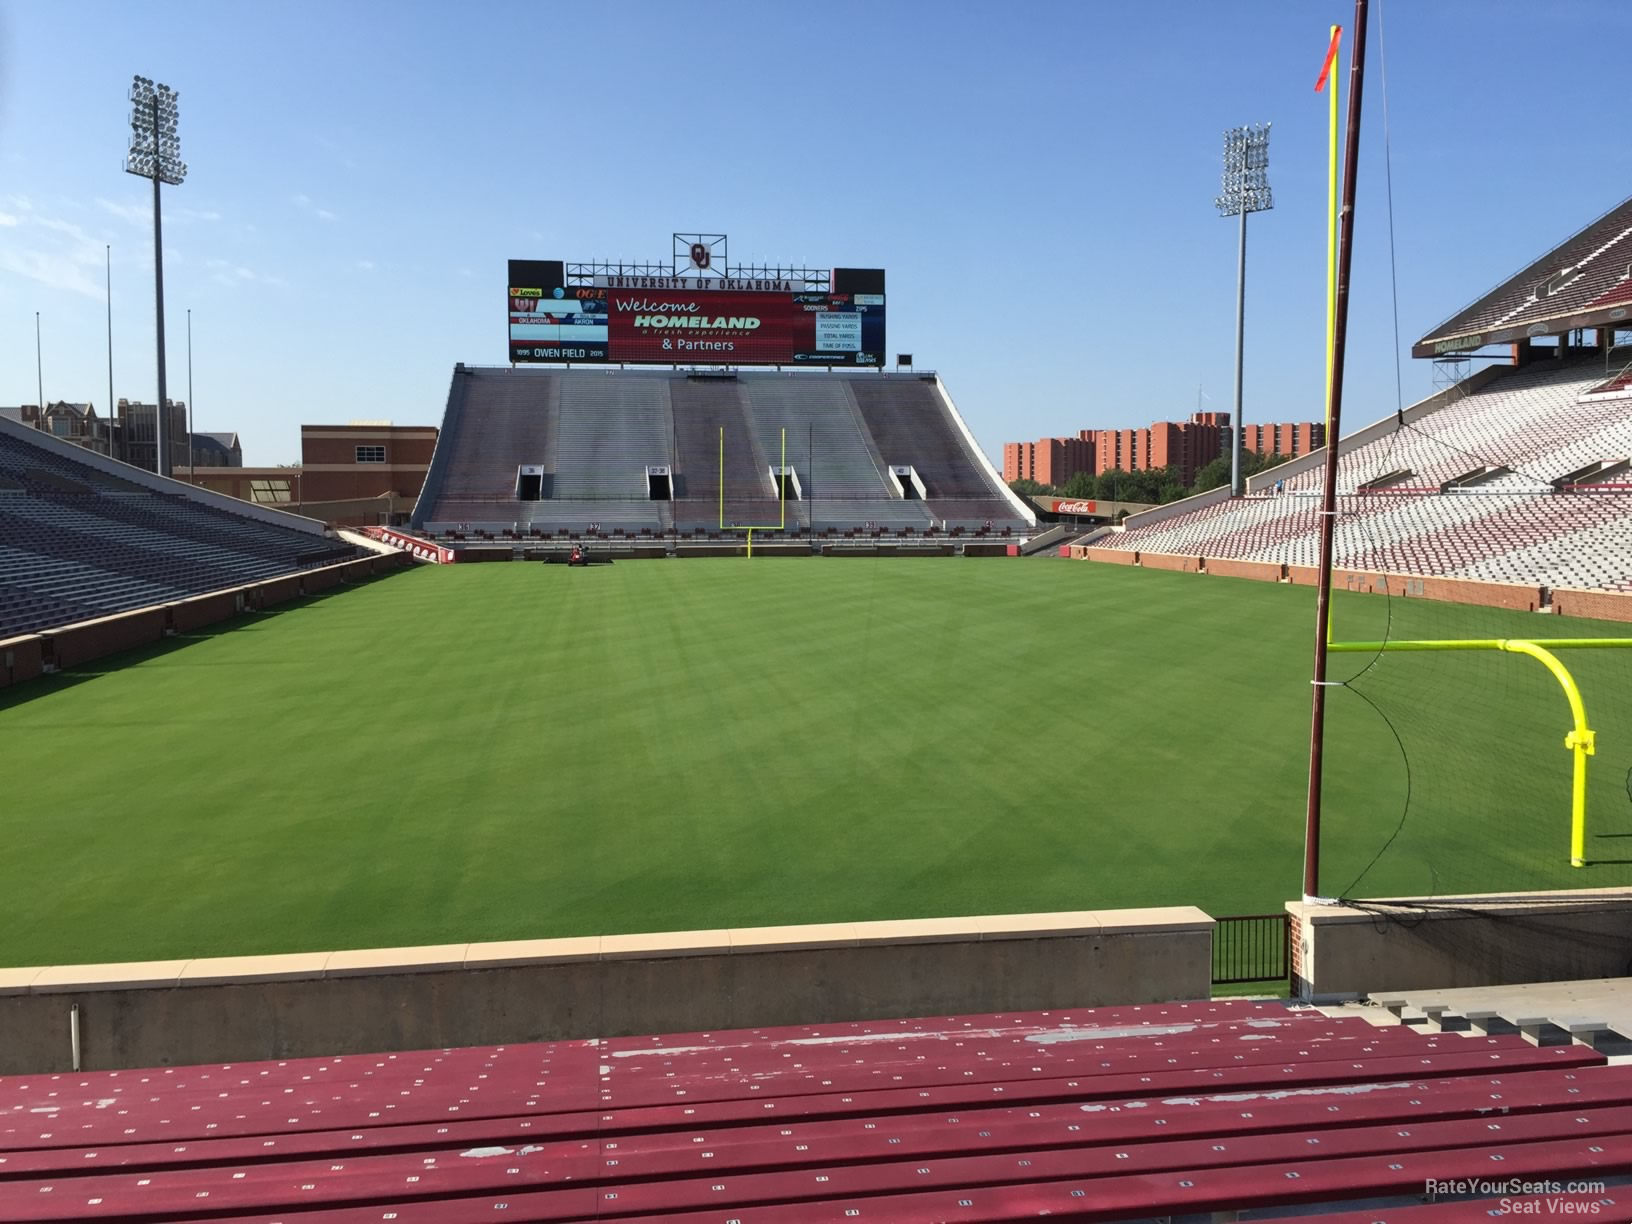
{"x": 1029, "y": 488}
{"x": 1082, "y": 485}
{"x": 1214, "y": 474}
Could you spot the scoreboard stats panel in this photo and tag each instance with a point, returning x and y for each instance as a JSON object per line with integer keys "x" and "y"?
{"x": 687, "y": 320}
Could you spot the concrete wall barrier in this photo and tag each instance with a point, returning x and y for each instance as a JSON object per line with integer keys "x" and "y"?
{"x": 71, "y": 645}
{"x": 21, "y": 658}
{"x": 236, "y": 1008}
{"x": 1342, "y": 952}
{"x": 274, "y": 591}
{"x": 189, "y": 615}
{"x": 712, "y": 550}
{"x": 484, "y": 552}
{"x": 315, "y": 580}
{"x": 777, "y": 550}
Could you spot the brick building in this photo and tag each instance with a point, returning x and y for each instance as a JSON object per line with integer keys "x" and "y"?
{"x": 1049, "y": 461}
{"x": 361, "y": 474}
{"x": 138, "y": 434}
{"x": 76, "y": 423}
{"x": 1185, "y": 445}
{"x": 1288, "y": 439}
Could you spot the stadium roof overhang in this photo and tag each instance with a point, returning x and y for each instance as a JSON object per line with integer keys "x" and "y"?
{"x": 1585, "y": 281}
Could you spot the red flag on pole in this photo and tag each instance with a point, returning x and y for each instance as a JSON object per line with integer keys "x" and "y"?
{"x": 1331, "y": 58}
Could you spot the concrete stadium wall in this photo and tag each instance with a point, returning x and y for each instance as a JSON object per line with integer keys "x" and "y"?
{"x": 1344, "y": 952}
{"x": 236, "y": 1008}
{"x": 72, "y": 645}
{"x": 275, "y": 591}
{"x": 1171, "y": 510}
{"x": 189, "y": 615}
{"x": 21, "y": 658}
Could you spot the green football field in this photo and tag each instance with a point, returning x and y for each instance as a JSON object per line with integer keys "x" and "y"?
{"x": 510, "y": 751}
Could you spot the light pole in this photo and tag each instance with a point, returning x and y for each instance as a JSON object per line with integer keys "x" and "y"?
{"x": 155, "y": 153}
{"x": 39, "y": 373}
{"x": 1244, "y": 189}
{"x": 113, "y": 449}
{"x": 190, "y": 451}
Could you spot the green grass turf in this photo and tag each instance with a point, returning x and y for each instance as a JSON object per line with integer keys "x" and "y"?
{"x": 511, "y": 751}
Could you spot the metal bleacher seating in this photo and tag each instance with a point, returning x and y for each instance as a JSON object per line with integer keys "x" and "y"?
{"x": 909, "y": 419}
{"x": 1109, "y": 1113}
{"x": 77, "y": 542}
{"x": 1510, "y": 527}
{"x": 594, "y": 433}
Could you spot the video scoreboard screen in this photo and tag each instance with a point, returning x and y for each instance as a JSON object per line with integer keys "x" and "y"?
{"x": 690, "y": 320}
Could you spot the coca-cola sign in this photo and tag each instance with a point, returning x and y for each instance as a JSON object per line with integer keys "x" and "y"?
{"x": 1073, "y": 507}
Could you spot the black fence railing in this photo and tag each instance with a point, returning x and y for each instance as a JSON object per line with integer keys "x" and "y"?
{"x": 1252, "y": 948}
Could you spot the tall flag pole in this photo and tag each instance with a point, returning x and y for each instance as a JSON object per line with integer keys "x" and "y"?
{"x": 1328, "y": 80}
{"x": 1328, "y": 512}
{"x": 1332, "y": 149}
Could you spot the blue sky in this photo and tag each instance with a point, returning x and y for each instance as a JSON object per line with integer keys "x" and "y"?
{"x": 1037, "y": 179}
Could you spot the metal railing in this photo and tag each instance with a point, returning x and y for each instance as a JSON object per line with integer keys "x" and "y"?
{"x": 1252, "y": 948}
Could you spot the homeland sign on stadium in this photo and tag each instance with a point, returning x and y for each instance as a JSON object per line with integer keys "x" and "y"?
{"x": 728, "y": 319}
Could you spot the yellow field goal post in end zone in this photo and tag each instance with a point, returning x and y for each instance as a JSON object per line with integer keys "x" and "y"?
{"x": 781, "y": 491}
{"x": 1580, "y": 740}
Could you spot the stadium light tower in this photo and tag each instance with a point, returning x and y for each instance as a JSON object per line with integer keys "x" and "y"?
{"x": 1244, "y": 189}
{"x": 155, "y": 153}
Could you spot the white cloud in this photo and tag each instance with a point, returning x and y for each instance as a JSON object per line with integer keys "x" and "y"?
{"x": 54, "y": 253}
{"x": 367, "y": 265}
{"x": 224, "y": 272}
{"x": 195, "y": 214}
{"x": 305, "y": 203}
{"x": 133, "y": 211}
{"x": 7, "y": 219}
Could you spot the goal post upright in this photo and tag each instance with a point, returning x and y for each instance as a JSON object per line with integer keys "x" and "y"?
{"x": 782, "y": 494}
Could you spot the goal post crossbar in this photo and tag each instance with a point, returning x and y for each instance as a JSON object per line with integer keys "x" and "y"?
{"x": 1580, "y": 741}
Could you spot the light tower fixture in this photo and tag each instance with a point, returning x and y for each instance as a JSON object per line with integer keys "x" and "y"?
{"x": 1243, "y": 189}
{"x": 155, "y": 153}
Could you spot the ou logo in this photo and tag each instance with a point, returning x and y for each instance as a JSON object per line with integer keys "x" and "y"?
{"x": 700, "y": 256}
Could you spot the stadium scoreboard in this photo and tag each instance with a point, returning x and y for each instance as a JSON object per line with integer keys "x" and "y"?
{"x": 694, "y": 320}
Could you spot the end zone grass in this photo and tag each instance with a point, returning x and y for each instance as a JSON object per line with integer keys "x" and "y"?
{"x": 513, "y": 751}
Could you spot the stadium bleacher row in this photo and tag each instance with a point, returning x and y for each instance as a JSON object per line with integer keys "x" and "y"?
{"x": 79, "y": 541}
{"x": 1530, "y": 427}
{"x": 594, "y": 433}
{"x": 1109, "y": 1113}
